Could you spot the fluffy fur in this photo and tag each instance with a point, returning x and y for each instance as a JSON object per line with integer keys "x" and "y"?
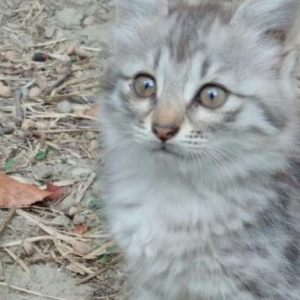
{"x": 217, "y": 215}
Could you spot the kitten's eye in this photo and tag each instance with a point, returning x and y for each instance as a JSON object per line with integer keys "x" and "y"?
{"x": 144, "y": 86}
{"x": 212, "y": 96}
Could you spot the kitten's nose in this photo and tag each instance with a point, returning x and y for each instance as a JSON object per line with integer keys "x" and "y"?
{"x": 165, "y": 132}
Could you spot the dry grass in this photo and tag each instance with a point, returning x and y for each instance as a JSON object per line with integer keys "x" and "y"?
{"x": 49, "y": 106}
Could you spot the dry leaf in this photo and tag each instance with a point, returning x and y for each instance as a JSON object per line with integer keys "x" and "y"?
{"x": 15, "y": 193}
{"x": 57, "y": 192}
{"x": 80, "y": 229}
{"x": 93, "y": 111}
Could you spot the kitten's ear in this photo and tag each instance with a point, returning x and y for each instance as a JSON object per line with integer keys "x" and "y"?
{"x": 273, "y": 17}
{"x": 128, "y": 9}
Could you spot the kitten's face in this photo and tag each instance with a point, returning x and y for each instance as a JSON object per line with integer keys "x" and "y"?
{"x": 198, "y": 79}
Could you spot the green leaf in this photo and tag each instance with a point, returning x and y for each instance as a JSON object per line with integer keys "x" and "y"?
{"x": 42, "y": 154}
{"x": 105, "y": 259}
{"x": 8, "y": 164}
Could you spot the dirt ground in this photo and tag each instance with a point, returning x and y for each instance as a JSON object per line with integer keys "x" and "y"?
{"x": 52, "y": 56}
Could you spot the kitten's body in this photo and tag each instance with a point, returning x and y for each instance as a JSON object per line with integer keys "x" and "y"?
{"x": 215, "y": 217}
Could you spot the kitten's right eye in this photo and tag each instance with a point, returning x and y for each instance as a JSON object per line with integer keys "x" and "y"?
{"x": 144, "y": 86}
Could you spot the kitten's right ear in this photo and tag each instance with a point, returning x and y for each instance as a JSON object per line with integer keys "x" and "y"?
{"x": 269, "y": 16}
{"x": 131, "y": 9}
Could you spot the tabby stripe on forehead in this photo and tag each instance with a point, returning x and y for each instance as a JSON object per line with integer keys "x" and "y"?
{"x": 277, "y": 122}
{"x": 205, "y": 67}
{"x": 157, "y": 59}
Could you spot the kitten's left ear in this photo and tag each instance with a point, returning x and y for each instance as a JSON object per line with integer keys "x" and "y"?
{"x": 274, "y": 21}
{"x": 273, "y": 17}
{"x": 132, "y": 9}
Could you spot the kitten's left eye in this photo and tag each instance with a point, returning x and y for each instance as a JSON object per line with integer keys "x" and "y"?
{"x": 212, "y": 96}
{"x": 144, "y": 86}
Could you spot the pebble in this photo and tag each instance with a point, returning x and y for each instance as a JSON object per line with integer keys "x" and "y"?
{"x": 89, "y": 135}
{"x": 79, "y": 219}
{"x": 42, "y": 125}
{"x": 81, "y": 248}
{"x": 67, "y": 203}
{"x": 27, "y": 124}
{"x": 5, "y": 91}
{"x": 49, "y": 32}
{"x": 28, "y": 248}
{"x": 64, "y": 107}
{"x": 89, "y": 20}
{"x": 34, "y": 93}
{"x": 6, "y": 130}
{"x": 61, "y": 220}
{"x": 73, "y": 210}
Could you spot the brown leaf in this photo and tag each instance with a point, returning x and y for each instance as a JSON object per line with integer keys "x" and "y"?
{"x": 80, "y": 229}
{"x": 15, "y": 193}
{"x": 57, "y": 192}
{"x": 93, "y": 111}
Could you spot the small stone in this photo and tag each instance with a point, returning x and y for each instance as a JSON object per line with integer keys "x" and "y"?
{"x": 81, "y": 248}
{"x": 89, "y": 20}
{"x": 49, "y": 32}
{"x": 64, "y": 107}
{"x": 5, "y": 91}
{"x": 82, "y": 53}
{"x": 41, "y": 82}
{"x": 94, "y": 145}
{"x": 6, "y": 130}
{"x": 9, "y": 55}
{"x": 40, "y": 57}
{"x": 73, "y": 210}
{"x": 79, "y": 219}
{"x": 71, "y": 49}
{"x": 34, "y": 93}
{"x": 28, "y": 248}
{"x": 27, "y": 124}
{"x": 61, "y": 220}
{"x": 67, "y": 203}
{"x": 89, "y": 135}
{"x": 42, "y": 125}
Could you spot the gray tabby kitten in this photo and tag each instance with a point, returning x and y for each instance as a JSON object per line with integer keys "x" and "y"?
{"x": 200, "y": 124}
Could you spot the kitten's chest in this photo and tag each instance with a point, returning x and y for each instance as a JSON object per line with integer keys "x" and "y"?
{"x": 173, "y": 217}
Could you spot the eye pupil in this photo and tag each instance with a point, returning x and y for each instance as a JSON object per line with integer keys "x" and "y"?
{"x": 147, "y": 85}
{"x": 212, "y": 95}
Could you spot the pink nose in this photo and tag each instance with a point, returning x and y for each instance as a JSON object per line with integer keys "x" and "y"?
{"x": 165, "y": 133}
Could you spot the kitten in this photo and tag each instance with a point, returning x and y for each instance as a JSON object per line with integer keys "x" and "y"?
{"x": 201, "y": 128}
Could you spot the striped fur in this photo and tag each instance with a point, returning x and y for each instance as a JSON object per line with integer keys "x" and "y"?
{"x": 214, "y": 215}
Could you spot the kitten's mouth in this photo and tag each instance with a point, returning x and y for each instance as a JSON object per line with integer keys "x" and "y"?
{"x": 166, "y": 149}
